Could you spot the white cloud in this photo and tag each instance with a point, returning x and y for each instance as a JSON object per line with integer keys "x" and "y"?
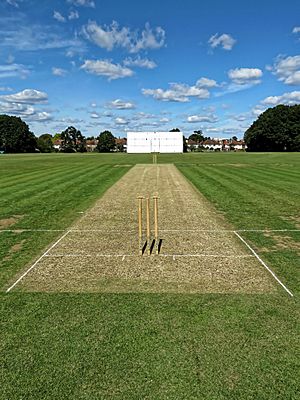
{"x": 121, "y": 121}
{"x": 244, "y": 76}
{"x": 106, "y": 68}
{"x": 206, "y": 83}
{"x": 111, "y": 36}
{"x": 14, "y": 3}
{"x": 57, "y": 15}
{"x": 85, "y": 3}
{"x": 179, "y": 92}
{"x": 14, "y": 70}
{"x": 59, "y": 71}
{"x": 37, "y": 37}
{"x": 95, "y": 115}
{"x": 21, "y": 104}
{"x": 150, "y": 39}
{"x": 296, "y": 29}
{"x": 225, "y": 40}
{"x": 164, "y": 120}
{"x": 27, "y": 96}
{"x": 202, "y": 118}
{"x": 257, "y": 110}
{"x": 140, "y": 62}
{"x": 120, "y": 105}
{"x": 287, "y": 69}
{"x": 15, "y": 108}
{"x": 288, "y": 98}
{"x": 40, "y": 116}
{"x": 73, "y": 14}
{"x": 240, "y": 117}
{"x": 5, "y": 89}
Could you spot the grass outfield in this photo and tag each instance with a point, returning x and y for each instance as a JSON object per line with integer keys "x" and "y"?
{"x": 155, "y": 346}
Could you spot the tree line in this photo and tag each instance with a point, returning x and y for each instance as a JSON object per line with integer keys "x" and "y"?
{"x": 15, "y": 137}
{"x": 276, "y": 129}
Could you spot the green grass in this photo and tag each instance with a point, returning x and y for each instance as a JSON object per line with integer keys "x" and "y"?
{"x": 258, "y": 197}
{"x": 47, "y": 192}
{"x": 138, "y": 346}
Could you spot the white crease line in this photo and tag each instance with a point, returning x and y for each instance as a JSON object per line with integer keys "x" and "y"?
{"x": 150, "y": 255}
{"x": 29, "y": 269}
{"x": 264, "y": 264}
{"x": 32, "y": 230}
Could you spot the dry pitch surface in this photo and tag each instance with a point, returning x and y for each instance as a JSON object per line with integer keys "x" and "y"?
{"x": 199, "y": 251}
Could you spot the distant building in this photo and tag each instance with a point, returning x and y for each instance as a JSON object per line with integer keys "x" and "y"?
{"x": 91, "y": 144}
{"x": 154, "y": 142}
{"x": 57, "y": 144}
{"x": 121, "y": 144}
{"x": 217, "y": 144}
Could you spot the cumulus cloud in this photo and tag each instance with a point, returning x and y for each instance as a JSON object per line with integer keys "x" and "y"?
{"x": 296, "y": 29}
{"x": 180, "y": 92}
{"x": 27, "y": 96}
{"x": 140, "y": 62}
{"x": 177, "y": 93}
{"x": 106, "y": 68}
{"x": 121, "y": 121}
{"x": 202, "y": 118}
{"x": 164, "y": 120}
{"x": 22, "y": 104}
{"x": 120, "y": 105}
{"x": 40, "y": 116}
{"x": 59, "y": 71}
{"x": 287, "y": 69}
{"x": 206, "y": 83}
{"x": 73, "y": 14}
{"x": 14, "y": 70}
{"x": 85, "y": 3}
{"x": 225, "y": 40}
{"x": 111, "y": 36}
{"x": 95, "y": 115}
{"x": 288, "y": 98}
{"x": 57, "y": 15}
{"x": 243, "y": 76}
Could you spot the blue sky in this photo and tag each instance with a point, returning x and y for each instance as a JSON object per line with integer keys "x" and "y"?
{"x": 135, "y": 65}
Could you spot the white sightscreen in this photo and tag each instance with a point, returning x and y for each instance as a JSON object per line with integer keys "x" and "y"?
{"x": 154, "y": 142}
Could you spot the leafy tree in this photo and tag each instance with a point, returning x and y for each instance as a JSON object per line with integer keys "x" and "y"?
{"x": 57, "y": 136}
{"x": 15, "y": 136}
{"x": 106, "y": 142}
{"x": 276, "y": 129}
{"x": 72, "y": 141}
{"x": 174, "y": 130}
{"x": 234, "y": 138}
{"x": 197, "y": 136}
{"x": 120, "y": 147}
{"x": 45, "y": 143}
{"x": 184, "y": 144}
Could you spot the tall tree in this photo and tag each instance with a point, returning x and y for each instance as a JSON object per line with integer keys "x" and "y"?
{"x": 72, "y": 140}
{"x": 174, "y": 130}
{"x": 45, "y": 143}
{"x": 106, "y": 142}
{"x": 276, "y": 129}
{"x": 15, "y": 136}
{"x": 197, "y": 136}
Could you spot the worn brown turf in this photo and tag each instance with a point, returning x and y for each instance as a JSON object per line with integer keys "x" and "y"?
{"x": 198, "y": 254}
